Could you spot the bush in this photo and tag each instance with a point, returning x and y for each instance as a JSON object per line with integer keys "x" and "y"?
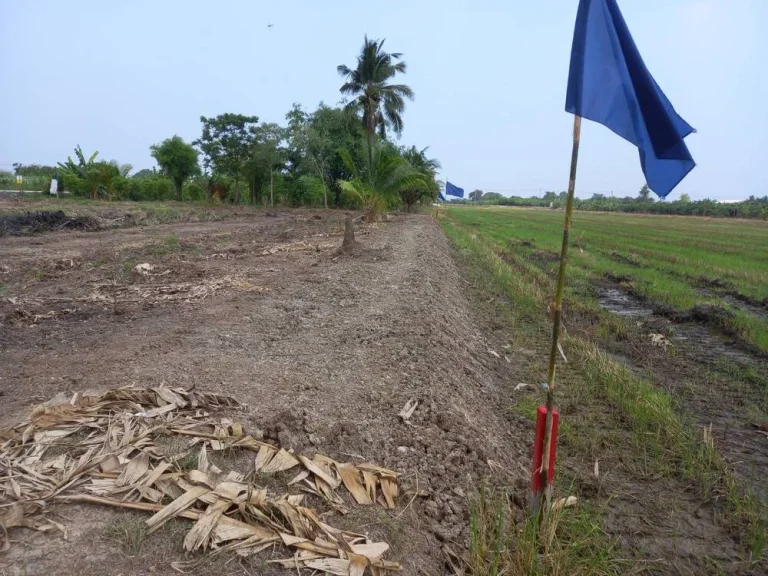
{"x": 157, "y": 189}
{"x": 193, "y": 192}
{"x": 303, "y": 191}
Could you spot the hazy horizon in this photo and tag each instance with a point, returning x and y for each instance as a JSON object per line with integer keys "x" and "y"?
{"x": 489, "y": 81}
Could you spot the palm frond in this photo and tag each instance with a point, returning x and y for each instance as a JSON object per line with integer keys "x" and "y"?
{"x": 351, "y": 187}
{"x": 393, "y": 108}
{"x": 349, "y": 163}
{"x": 400, "y": 67}
{"x": 401, "y": 90}
{"x": 350, "y": 88}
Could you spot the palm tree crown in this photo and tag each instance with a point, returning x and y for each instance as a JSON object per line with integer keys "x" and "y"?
{"x": 382, "y": 103}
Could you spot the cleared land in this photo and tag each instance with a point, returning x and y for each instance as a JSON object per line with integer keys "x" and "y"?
{"x": 325, "y": 350}
{"x": 667, "y": 380}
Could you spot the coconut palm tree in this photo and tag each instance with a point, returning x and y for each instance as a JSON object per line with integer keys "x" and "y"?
{"x": 383, "y": 180}
{"x": 425, "y": 188}
{"x": 369, "y": 82}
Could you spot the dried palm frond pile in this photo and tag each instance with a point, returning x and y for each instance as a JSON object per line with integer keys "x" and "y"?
{"x": 168, "y": 292}
{"x": 108, "y": 448}
{"x": 300, "y": 246}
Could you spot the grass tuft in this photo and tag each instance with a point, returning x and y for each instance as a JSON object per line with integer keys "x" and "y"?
{"x": 569, "y": 541}
{"x": 129, "y": 531}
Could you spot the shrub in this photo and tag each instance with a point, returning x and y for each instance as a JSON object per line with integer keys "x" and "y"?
{"x": 193, "y": 192}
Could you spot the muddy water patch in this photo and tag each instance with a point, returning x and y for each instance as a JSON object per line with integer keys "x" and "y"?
{"x": 745, "y": 306}
{"x": 622, "y": 303}
{"x": 688, "y": 330}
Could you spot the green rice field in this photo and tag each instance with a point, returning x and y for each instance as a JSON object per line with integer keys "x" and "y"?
{"x": 663, "y": 379}
{"x": 673, "y": 263}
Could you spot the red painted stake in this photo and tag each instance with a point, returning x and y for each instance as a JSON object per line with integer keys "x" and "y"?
{"x": 538, "y": 448}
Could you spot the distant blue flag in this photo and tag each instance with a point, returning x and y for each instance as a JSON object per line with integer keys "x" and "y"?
{"x": 609, "y": 83}
{"x": 452, "y": 190}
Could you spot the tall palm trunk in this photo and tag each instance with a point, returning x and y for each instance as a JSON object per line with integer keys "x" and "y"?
{"x": 271, "y": 189}
{"x": 370, "y": 130}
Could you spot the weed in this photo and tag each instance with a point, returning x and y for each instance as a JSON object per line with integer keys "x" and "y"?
{"x": 526, "y": 406}
{"x": 100, "y": 262}
{"x": 167, "y": 244}
{"x": 568, "y": 541}
{"x": 130, "y": 531}
{"x": 128, "y": 266}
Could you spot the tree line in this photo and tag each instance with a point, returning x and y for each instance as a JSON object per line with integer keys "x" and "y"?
{"x": 643, "y": 203}
{"x": 340, "y": 156}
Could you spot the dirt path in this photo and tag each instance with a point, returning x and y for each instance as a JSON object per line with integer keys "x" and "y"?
{"x": 325, "y": 350}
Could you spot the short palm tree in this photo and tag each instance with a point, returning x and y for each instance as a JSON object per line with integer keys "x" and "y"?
{"x": 369, "y": 82}
{"x": 383, "y": 180}
{"x": 425, "y": 189}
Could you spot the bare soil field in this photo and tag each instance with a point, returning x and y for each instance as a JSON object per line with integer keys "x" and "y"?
{"x": 324, "y": 348}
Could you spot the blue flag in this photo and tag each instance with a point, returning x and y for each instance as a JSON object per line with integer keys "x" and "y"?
{"x": 440, "y": 196}
{"x": 609, "y": 83}
{"x": 452, "y": 190}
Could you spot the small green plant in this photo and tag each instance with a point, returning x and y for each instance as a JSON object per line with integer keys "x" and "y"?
{"x": 167, "y": 245}
{"x": 100, "y": 262}
{"x": 130, "y": 531}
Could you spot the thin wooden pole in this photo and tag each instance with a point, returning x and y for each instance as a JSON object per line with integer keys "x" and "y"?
{"x": 558, "y": 312}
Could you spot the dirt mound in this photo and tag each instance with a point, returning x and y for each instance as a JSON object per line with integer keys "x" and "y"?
{"x": 43, "y": 221}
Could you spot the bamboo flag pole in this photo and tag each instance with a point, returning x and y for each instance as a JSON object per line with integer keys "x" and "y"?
{"x": 558, "y": 311}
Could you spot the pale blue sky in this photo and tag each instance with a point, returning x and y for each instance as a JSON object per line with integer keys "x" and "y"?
{"x": 489, "y": 78}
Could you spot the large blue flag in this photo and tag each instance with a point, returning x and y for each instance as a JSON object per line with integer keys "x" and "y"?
{"x": 609, "y": 83}
{"x": 452, "y": 190}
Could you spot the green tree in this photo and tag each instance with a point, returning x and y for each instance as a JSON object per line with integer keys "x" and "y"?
{"x": 33, "y": 170}
{"x": 145, "y": 173}
{"x": 330, "y": 130}
{"x": 268, "y": 154}
{"x": 226, "y": 144}
{"x": 685, "y": 199}
{"x": 382, "y": 102}
{"x": 177, "y": 160}
{"x": 476, "y": 195}
{"x": 313, "y": 142}
{"x": 492, "y": 197}
{"x": 645, "y": 193}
